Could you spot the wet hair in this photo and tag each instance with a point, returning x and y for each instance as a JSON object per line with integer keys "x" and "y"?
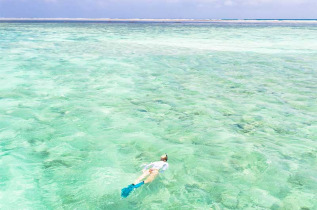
{"x": 166, "y": 158}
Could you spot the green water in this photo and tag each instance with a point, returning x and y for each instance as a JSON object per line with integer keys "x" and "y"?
{"x": 83, "y": 105}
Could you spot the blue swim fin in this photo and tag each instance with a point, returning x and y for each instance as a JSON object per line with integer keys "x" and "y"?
{"x": 139, "y": 185}
{"x": 125, "y": 192}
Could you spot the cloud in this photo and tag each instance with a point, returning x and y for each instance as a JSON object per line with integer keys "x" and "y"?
{"x": 160, "y": 8}
{"x": 226, "y": 2}
{"x": 261, "y": 2}
{"x": 252, "y": 2}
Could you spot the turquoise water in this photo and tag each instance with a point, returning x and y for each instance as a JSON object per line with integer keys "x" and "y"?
{"x": 83, "y": 105}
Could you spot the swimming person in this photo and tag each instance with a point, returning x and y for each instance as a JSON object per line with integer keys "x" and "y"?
{"x": 150, "y": 171}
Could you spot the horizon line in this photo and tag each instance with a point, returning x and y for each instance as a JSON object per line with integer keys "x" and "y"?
{"x": 158, "y": 20}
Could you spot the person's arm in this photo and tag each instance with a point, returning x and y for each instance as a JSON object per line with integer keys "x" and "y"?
{"x": 147, "y": 166}
{"x": 164, "y": 168}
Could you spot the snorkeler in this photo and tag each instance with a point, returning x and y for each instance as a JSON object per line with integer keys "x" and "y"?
{"x": 150, "y": 171}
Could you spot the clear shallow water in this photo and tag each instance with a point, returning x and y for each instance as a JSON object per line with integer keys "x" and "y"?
{"x": 83, "y": 105}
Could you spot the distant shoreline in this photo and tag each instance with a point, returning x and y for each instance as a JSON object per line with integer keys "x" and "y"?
{"x": 164, "y": 20}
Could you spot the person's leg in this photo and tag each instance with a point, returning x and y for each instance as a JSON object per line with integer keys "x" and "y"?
{"x": 152, "y": 176}
{"x": 145, "y": 174}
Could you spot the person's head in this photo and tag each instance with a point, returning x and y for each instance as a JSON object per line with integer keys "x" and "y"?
{"x": 164, "y": 157}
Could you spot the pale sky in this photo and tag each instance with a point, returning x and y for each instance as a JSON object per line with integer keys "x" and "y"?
{"x": 211, "y": 9}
